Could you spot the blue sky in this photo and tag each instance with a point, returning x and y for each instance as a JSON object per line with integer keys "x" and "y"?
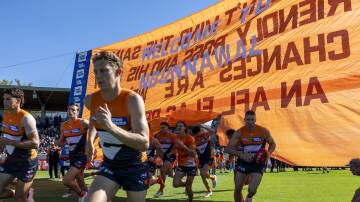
{"x": 42, "y": 36}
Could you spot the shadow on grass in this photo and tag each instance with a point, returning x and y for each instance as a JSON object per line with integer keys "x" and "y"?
{"x": 214, "y": 191}
{"x": 51, "y": 190}
{"x": 317, "y": 173}
{"x": 171, "y": 199}
{"x": 154, "y": 200}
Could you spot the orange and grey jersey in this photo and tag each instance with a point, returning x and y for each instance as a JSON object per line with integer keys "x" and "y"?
{"x": 203, "y": 144}
{"x": 184, "y": 159}
{"x": 115, "y": 152}
{"x": 252, "y": 141}
{"x": 167, "y": 141}
{"x": 75, "y": 136}
{"x": 13, "y": 129}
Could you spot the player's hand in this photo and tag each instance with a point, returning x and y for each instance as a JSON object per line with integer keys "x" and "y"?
{"x": 89, "y": 151}
{"x": 4, "y": 141}
{"x": 248, "y": 157}
{"x": 103, "y": 117}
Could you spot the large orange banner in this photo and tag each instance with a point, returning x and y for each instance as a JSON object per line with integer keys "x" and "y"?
{"x": 295, "y": 62}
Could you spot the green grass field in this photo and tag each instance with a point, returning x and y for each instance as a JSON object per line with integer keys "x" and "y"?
{"x": 336, "y": 186}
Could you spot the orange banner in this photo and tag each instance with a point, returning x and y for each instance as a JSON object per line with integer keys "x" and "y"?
{"x": 190, "y": 117}
{"x": 296, "y": 62}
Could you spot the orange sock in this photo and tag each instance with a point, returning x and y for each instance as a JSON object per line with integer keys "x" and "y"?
{"x": 161, "y": 182}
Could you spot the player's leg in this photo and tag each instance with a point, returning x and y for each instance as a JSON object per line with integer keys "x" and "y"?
{"x": 102, "y": 189}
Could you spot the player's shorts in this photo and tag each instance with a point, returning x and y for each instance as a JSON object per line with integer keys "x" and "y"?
{"x": 128, "y": 178}
{"x": 65, "y": 168}
{"x": 22, "y": 169}
{"x": 78, "y": 161}
{"x": 246, "y": 167}
{"x": 189, "y": 171}
{"x": 170, "y": 158}
{"x": 205, "y": 161}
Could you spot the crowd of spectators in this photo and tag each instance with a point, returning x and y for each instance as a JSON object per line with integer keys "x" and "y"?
{"x": 49, "y": 131}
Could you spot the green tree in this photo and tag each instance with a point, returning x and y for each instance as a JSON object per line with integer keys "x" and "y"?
{"x": 6, "y": 82}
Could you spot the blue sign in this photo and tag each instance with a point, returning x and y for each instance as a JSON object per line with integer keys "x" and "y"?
{"x": 80, "y": 78}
